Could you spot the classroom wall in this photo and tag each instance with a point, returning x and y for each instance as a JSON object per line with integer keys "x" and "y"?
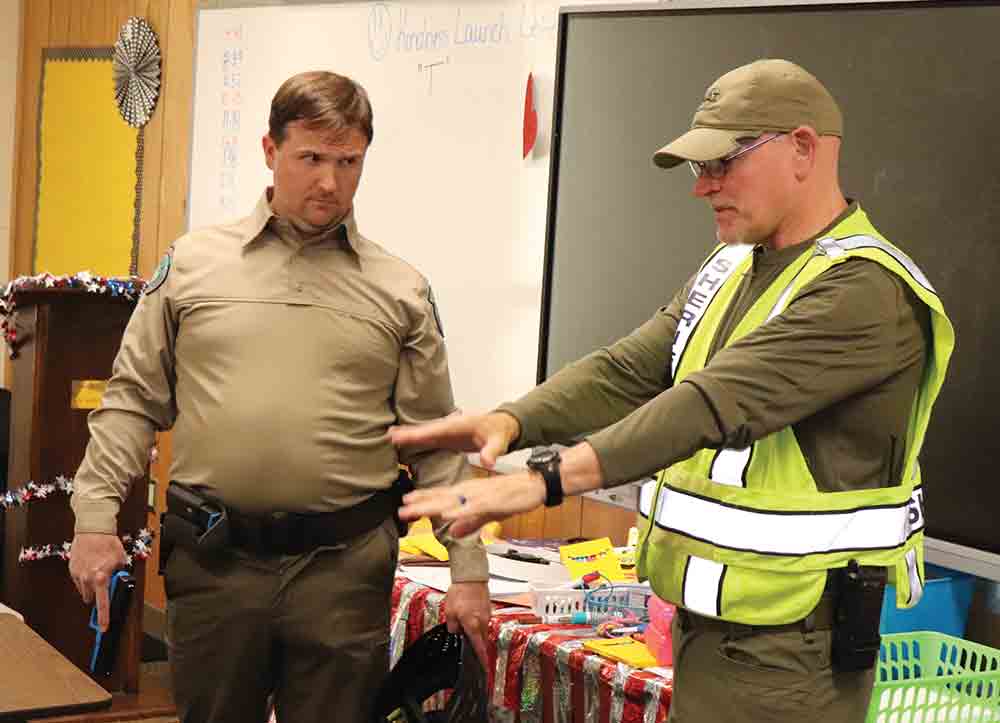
{"x": 90, "y": 23}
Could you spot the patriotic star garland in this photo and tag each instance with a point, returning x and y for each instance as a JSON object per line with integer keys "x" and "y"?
{"x": 139, "y": 547}
{"x": 31, "y": 491}
{"x": 136, "y": 547}
{"x": 128, "y": 288}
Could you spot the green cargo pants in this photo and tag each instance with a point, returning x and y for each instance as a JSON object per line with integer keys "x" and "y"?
{"x": 313, "y": 630}
{"x": 764, "y": 677}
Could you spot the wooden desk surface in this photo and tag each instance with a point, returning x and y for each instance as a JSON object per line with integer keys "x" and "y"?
{"x": 38, "y": 680}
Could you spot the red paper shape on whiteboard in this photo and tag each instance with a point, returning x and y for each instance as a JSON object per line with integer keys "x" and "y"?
{"x": 530, "y": 118}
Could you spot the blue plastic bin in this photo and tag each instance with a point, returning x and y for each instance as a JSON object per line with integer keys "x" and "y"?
{"x": 944, "y": 608}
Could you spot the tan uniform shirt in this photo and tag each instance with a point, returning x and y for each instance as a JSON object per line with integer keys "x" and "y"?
{"x": 841, "y": 365}
{"x": 279, "y": 364}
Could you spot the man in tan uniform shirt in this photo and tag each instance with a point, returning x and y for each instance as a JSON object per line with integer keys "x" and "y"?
{"x": 280, "y": 349}
{"x": 840, "y": 364}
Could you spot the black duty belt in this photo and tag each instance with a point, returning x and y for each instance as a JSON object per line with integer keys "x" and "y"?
{"x": 295, "y": 533}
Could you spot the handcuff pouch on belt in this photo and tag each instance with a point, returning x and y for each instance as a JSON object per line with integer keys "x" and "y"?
{"x": 859, "y": 592}
{"x": 192, "y": 521}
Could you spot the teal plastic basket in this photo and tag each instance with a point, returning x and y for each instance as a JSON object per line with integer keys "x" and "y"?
{"x": 926, "y": 677}
{"x": 943, "y": 608}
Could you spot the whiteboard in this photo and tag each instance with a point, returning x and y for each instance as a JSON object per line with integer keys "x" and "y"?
{"x": 444, "y": 187}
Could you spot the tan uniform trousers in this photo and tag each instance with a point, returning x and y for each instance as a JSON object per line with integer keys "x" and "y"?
{"x": 311, "y": 629}
{"x": 763, "y": 677}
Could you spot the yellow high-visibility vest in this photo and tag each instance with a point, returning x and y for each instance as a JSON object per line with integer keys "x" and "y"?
{"x": 744, "y": 534}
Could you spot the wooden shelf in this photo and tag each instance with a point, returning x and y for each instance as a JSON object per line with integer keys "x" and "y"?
{"x": 575, "y": 517}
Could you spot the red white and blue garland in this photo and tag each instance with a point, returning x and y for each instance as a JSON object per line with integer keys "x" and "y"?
{"x": 128, "y": 288}
{"x": 32, "y": 491}
{"x": 136, "y": 547}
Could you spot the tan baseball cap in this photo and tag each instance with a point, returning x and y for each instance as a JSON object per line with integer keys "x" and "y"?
{"x": 766, "y": 96}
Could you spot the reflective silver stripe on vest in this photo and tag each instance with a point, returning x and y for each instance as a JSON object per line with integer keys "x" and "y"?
{"x": 916, "y": 584}
{"x": 781, "y": 533}
{"x": 730, "y": 465}
{"x": 916, "y": 521}
{"x": 835, "y": 247}
{"x": 710, "y": 279}
{"x": 703, "y": 585}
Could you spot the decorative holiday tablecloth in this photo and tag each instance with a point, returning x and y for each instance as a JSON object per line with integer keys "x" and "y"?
{"x": 541, "y": 673}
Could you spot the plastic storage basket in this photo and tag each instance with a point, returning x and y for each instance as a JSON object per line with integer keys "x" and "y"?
{"x": 557, "y": 601}
{"x": 613, "y": 599}
{"x": 944, "y": 606}
{"x": 927, "y": 677}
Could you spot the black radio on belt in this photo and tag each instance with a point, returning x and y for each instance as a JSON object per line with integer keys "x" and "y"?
{"x": 856, "y": 640}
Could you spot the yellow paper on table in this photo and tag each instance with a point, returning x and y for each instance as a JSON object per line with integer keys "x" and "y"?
{"x": 421, "y": 540}
{"x": 426, "y": 543}
{"x": 592, "y": 556}
{"x": 628, "y": 650}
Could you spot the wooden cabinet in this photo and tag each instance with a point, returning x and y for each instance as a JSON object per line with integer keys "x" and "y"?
{"x": 575, "y": 517}
{"x": 64, "y": 337}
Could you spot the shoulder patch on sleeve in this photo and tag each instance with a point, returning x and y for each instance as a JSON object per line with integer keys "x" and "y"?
{"x": 160, "y": 275}
{"x": 434, "y": 308}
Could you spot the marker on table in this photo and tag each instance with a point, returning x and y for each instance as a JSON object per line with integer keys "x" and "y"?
{"x": 580, "y": 617}
{"x": 513, "y": 554}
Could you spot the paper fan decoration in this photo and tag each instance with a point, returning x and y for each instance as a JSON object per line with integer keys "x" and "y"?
{"x": 136, "y": 65}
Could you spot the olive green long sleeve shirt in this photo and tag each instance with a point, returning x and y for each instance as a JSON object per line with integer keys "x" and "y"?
{"x": 841, "y": 365}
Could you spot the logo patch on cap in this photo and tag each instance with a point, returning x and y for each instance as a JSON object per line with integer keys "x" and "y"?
{"x": 712, "y": 96}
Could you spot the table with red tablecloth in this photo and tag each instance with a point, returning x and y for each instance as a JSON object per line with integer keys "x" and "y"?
{"x": 540, "y": 673}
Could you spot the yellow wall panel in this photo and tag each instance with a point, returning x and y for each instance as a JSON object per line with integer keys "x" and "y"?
{"x": 87, "y": 164}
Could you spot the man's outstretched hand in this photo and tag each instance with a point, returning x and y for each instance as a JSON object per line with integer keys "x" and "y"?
{"x": 488, "y": 434}
{"x": 470, "y": 504}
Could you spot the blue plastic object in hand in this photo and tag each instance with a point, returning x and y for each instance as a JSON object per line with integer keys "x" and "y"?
{"x": 102, "y": 657}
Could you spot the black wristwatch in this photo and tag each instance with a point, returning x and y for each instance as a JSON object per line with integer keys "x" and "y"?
{"x": 545, "y": 461}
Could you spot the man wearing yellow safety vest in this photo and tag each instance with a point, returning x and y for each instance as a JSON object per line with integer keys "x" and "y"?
{"x": 780, "y": 399}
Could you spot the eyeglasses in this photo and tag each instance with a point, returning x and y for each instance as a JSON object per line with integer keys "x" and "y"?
{"x": 717, "y": 167}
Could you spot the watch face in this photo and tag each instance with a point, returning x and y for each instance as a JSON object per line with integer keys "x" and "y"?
{"x": 542, "y": 457}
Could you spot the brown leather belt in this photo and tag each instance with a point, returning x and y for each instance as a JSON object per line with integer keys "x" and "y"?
{"x": 295, "y": 533}
{"x": 821, "y": 618}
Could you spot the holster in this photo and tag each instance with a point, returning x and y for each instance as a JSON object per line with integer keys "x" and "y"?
{"x": 193, "y": 521}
